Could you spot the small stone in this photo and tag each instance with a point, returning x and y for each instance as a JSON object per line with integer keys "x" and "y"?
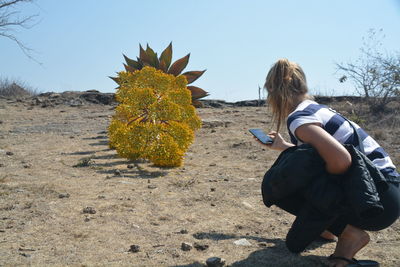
{"x": 9, "y": 153}
{"x": 215, "y": 262}
{"x": 101, "y": 197}
{"x": 63, "y": 195}
{"x": 186, "y": 246}
{"x": 183, "y": 231}
{"x": 212, "y": 189}
{"x": 242, "y": 242}
{"x": 89, "y": 210}
{"x": 87, "y": 219}
{"x": 134, "y": 248}
{"x": 200, "y": 247}
{"x": 212, "y": 164}
{"x": 27, "y": 166}
{"x": 152, "y": 186}
{"x": 130, "y": 166}
{"x": 117, "y": 173}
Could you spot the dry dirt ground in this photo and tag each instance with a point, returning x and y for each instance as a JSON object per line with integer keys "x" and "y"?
{"x": 66, "y": 199}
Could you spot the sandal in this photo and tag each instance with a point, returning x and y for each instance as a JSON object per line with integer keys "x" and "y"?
{"x": 355, "y": 263}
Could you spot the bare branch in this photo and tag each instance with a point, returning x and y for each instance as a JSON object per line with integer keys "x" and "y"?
{"x": 375, "y": 72}
{"x": 9, "y": 20}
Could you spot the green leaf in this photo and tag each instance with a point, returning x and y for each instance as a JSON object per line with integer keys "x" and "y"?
{"x": 197, "y": 92}
{"x": 166, "y": 57}
{"x": 152, "y": 56}
{"x": 191, "y": 76}
{"x": 144, "y": 58}
{"x": 178, "y": 66}
{"x": 133, "y": 63}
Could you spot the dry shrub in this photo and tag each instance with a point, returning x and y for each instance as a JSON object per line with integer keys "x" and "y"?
{"x": 15, "y": 89}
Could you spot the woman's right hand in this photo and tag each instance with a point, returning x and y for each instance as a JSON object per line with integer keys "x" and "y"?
{"x": 279, "y": 143}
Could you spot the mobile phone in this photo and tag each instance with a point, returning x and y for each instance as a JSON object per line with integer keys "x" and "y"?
{"x": 263, "y": 137}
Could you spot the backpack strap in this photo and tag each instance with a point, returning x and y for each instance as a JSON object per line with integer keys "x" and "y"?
{"x": 360, "y": 141}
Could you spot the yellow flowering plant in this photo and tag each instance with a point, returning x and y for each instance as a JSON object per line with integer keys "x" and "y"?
{"x": 155, "y": 118}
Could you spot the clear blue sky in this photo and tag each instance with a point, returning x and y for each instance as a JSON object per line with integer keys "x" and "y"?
{"x": 80, "y": 42}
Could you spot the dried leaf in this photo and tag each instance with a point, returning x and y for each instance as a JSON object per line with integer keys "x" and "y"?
{"x": 133, "y": 63}
{"x": 166, "y": 57}
{"x": 197, "y": 92}
{"x": 115, "y": 79}
{"x": 129, "y": 68}
{"x": 191, "y": 76}
{"x": 197, "y": 103}
{"x": 152, "y": 56}
{"x": 179, "y": 65}
{"x": 144, "y": 58}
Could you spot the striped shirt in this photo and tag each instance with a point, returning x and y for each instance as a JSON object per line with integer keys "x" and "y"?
{"x": 336, "y": 125}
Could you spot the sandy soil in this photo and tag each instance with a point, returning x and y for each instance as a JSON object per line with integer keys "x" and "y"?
{"x": 67, "y": 199}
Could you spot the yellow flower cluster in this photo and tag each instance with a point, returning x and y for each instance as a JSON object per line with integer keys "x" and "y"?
{"x": 155, "y": 119}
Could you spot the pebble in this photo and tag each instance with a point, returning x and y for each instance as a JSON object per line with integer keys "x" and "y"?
{"x": 89, "y": 210}
{"x": 242, "y": 242}
{"x": 130, "y": 166}
{"x": 63, "y": 195}
{"x": 152, "y": 186}
{"x": 134, "y": 248}
{"x": 215, "y": 262}
{"x": 9, "y": 153}
{"x": 200, "y": 247}
{"x": 186, "y": 246}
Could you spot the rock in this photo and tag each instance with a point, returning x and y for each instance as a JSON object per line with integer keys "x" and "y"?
{"x": 9, "y": 153}
{"x": 186, "y": 246}
{"x": 215, "y": 262}
{"x": 117, "y": 173}
{"x": 183, "y": 231}
{"x": 134, "y": 249}
{"x": 242, "y": 242}
{"x": 200, "y": 247}
{"x": 152, "y": 186}
{"x": 130, "y": 166}
{"x": 63, "y": 195}
{"x": 89, "y": 210}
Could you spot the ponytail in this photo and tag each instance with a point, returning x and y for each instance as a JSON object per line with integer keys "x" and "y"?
{"x": 285, "y": 82}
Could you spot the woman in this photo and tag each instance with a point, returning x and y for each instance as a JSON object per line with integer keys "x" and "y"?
{"x": 327, "y": 131}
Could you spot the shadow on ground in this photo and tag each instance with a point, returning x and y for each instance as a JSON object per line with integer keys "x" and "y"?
{"x": 134, "y": 169}
{"x": 273, "y": 252}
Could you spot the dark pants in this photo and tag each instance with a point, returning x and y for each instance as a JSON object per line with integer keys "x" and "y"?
{"x": 390, "y": 200}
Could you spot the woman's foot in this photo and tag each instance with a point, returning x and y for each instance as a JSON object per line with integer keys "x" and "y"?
{"x": 349, "y": 243}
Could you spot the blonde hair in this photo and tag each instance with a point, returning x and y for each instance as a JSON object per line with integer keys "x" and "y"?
{"x": 285, "y": 82}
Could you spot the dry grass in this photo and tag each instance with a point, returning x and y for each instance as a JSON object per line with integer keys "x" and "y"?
{"x": 15, "y": 89}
